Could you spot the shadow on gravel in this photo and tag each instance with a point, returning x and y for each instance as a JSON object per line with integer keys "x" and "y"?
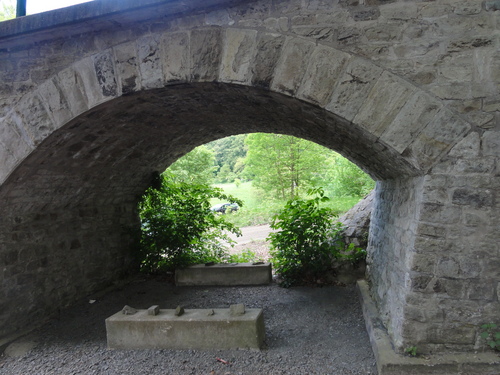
{"x": 309, "y": 330}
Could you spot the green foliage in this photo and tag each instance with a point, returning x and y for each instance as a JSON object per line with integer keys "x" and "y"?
{"x": 491, "y": 334}
{"x": 196, "y": 167}
{"x": 7, "y": 10}
{"x": 283, "y": 166}
{"x": 178, "y": 228}
{"x": 411, "y": 351}
{"x": 246, "y": 256}
{"x": 347, "y": 179}
{"x": 229, "y": 153}
{"x": 306, "y": 241}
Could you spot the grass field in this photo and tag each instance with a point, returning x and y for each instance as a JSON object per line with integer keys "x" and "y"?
{"x": 259, "y": 210}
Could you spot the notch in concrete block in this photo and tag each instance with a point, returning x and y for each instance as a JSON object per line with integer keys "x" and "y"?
{"x": 179, "y": 310}
{"x": 236, "y": 310}
{"x": 154, "y": 310}
{"x": 210, "y": 312}
{"x": 127, "y": 310}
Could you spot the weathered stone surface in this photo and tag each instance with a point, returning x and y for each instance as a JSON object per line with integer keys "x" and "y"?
{"x": 239, "y": 51}
{"x": 105, "y": 73}
{"x": 323, "y": 72}
{"x": 353, "y": 88}
{"x": 357, "y": 221}
{"x": 205, "y": 54}
{"x": 149, "y": 61}
{"x": 127, "y": 67}
{"x": 268, "y": 52}
{"x": 292, "y": 67}
{"x": 383, "y": 103}
{"x": 176, "y": 66}
{"x": 438, "y": 137}
{"x": 416, "y": 113}
{"x": 89, "y": 109}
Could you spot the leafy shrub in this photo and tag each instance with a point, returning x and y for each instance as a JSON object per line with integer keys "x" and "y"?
{"x": 306, "y": 241}
{"x": 177, "y": 226}
{"x": 491, "y": 334}
{"x": 245, "y": 256}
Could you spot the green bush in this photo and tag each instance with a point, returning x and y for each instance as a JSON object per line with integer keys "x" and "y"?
{"x": 178, "y": 228}
{"x": 306, "y": 241}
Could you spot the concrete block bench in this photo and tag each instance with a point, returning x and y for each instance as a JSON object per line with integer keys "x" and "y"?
{"x": 193, "y": 329}
{"x": 230, "y": 274}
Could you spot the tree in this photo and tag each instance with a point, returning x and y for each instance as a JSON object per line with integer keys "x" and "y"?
{"x": 283, "y": 165}
{"x": 229, "y": 152}
{"x": 196, "y": 167}
{"x": 347, "y": 179}
{"x": 7, "y": 10}
{"x": 177, "y": 226}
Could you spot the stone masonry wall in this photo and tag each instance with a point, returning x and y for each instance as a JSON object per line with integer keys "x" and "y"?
{"x": 392, "y": 232}
{"x": 407, "y": 89}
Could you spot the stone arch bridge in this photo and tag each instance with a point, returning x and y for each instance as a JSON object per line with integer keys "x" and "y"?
{"x": 95, "y": 98}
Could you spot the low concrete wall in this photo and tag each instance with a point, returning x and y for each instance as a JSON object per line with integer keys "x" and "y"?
{"x": 194, "y": 329}
{"x": 225, "y": 274}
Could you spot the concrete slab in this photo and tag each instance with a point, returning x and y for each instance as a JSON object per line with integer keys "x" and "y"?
{"x": 389, "y": 362}
{"x": 230, "y": 274}
{"x": 194, "y": 329}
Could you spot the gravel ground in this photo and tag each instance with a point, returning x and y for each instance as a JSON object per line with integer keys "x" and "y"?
{"x": 309, "y": 330}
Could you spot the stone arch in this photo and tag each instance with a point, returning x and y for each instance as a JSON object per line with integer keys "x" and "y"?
{"x": 396, "y": 114}
{"x": 390, "y": 127}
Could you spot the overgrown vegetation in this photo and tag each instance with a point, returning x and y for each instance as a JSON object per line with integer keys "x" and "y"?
{"x": 307, "y": 241}
{"x": 177, "y": 226}
{"x": 491, "y": 334}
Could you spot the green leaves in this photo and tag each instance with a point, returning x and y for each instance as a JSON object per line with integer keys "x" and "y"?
{"x": 306, "y": 241}
{"x": 491, "y": 334}
{"x": 178, "y": 228}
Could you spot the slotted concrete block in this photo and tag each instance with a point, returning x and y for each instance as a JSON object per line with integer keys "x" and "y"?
{"x": 195, "y": 329}
{"x": 225, "y": 274}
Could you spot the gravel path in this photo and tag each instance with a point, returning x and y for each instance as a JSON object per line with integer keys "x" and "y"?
{"x": 308, "y": 331}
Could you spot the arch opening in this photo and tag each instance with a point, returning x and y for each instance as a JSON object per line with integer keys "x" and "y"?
{"x": 72, "y": 202}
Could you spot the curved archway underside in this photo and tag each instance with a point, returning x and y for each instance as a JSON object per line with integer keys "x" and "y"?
{"x": 111, "y": 150}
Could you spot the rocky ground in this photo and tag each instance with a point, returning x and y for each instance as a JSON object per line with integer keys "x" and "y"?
{"x": 309, "y": 330}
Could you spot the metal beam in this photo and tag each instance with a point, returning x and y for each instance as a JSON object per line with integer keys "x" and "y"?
{"x": 21, "y": 8}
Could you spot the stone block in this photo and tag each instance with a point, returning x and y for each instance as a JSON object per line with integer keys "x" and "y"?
{"x": 225, "y": 274}
{"x": 269, "y": 48}
{"x": 417, "y": 112}
{"x": 323, "y": 72}
{"x": 33, "y": 119}
{"x": 383, "y": 104}
{"x": 206, "y": 54}
{"x": 70, "y": 83}
{"x": 175, "y": 47}
{"x": 86, "y": 78}
{"x": 472, "y": 197}
{"x": 105, "y": 73}
{"x": 399, "y": 11}
{"x": 438, "y": 137}
{"x": 55, "y": 102}
{"x": 239, "y": 51}
{"x": 149, "y": 59}
{"x": 292, "y": 66}
{"x": 154, "y": 310}
{"x": 127, "y": 67}
{"x": 195, "y": 329}
{"x": 491, "y": 142}
{"x": 353, "y": 88}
